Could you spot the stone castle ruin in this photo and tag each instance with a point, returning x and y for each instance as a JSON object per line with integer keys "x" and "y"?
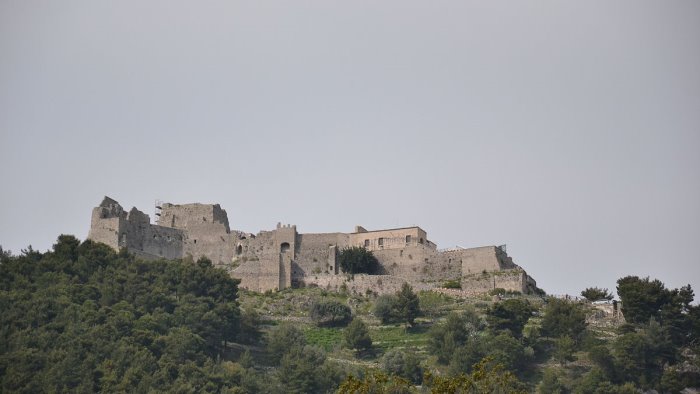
{"x": 282, "y": 257}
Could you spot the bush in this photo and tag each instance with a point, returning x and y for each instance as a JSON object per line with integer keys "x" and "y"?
{"x": 497, "y": 291}
{"x": 356, "y": 260}
{"x": 384, "y": 308}
{"x": 357, "y": 335}
{"x": 330, "y": 313}
{"x": 404, "y": 364}
{"x": 452, "y": 284}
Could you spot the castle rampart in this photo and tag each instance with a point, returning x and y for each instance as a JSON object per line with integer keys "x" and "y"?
{"x": 281, "y": 258}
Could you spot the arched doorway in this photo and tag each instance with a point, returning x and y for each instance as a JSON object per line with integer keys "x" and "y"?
{"x": 284, "y": 247}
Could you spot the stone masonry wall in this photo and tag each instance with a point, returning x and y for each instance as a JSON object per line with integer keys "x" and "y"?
{"x": 281, "y": 258}
{"x": 207, "y": 230}
{"x": 314, "y": 251}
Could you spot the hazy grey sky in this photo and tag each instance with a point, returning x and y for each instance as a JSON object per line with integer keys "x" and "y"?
{"x": 569, "y": 131}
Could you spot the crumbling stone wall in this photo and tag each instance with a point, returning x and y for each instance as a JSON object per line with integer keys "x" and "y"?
{"x": 207, "y": 232}
{"x": 281, "y": 258}
{"x": 111, "y": 225}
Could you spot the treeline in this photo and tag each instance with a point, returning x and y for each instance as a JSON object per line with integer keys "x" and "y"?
{"x": 83, "y": 318}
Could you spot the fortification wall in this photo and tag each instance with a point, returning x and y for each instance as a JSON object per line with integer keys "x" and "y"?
{"x": 266, "y": 259}
{"x": 189, "y": 216}
{"x": 105, "y": 230}
{"x": 206, "y": 231}
{"x": 481, "y": 259}
{"x": 361, "y": 283}
{"x": 316, "y": 253}
{"x": 106, "y": 223}
{"x": 513, "y": 280}
{"x": 149, "y": 239}
{"x": 282, "y": 257}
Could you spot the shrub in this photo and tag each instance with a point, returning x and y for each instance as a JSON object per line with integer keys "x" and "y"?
{"x": 384, "y": 308}
{"x": 452, "y": 284}
{"x": 404, "y": 364}
{"x": 330, "y": 313}
{"x": 357, "y": 335}
{"x": 497, "y": 291}
{"x": 356, "y": 259}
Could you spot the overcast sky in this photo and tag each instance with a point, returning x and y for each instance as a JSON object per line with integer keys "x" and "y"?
{"x": 569, "y": 131}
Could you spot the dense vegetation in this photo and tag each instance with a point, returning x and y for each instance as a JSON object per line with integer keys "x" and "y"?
{"x": 84, "y": 318}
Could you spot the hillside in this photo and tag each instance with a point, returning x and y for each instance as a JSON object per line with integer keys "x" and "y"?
{"x": 83, "y": 318}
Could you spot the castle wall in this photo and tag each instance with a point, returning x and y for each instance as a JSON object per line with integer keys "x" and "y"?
{"x": 475, "y": 260}
{"x": 361, "y": 283}
{"x": 512, "y": 280}
{"x": 188, "y": 216}
{"x": 206, "y": 234}
{"x": 106, "y": 223}
{"x": 283, "y": 258}
{"x": 316, "y": 253}
{"x": 150, "y": 239}
{"x": 105, "y": 230}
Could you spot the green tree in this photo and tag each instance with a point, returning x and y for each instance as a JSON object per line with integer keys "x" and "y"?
{"x": 445, "y": 338}
{"x": 551, "y": 383}
{"x": 384, "y": 308}
{"x": 564, "y": 348}
{"x": 407, "y": 304}
{"x": 299, "y": 370}
{"x": 563, "y": 318}
{"x": 642, "y": 299}
{"x": 283, "y": 338}
{"x": 356, "y": 260}
{"x": 357, "y": 335}
{"x": 509, "y": 315}
{"x": 486, "y": 377}
{"x": 595, "y": 294}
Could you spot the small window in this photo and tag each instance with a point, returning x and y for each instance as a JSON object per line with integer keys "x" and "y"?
{"x": 367, "y": 243}
{"x": 408, "y": 239}
{"x": 380, "y": 242}
{"x": 195, "y": 241}
{"x": 239, "y": 249}
{"x": 420, "y": 240}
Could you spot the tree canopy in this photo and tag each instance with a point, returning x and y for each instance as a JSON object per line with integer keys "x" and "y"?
{"x": 596, "y": 294}
{"x": 357, "y": 260}
{"x": 85, "y": 318}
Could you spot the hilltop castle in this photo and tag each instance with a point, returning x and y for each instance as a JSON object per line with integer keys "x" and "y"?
{"x": 282, "y": 257}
